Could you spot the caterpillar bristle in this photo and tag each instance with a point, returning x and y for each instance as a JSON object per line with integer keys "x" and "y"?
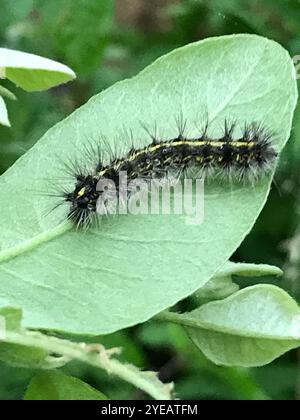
{"x": 229, "y": 128}
{"x": 152, "y": 134}
{"x": 181, "y": 124}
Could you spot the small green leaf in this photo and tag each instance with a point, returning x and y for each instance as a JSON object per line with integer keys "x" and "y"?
{"x": 219, "y": 287}
{"x": 12, "y": 318}
{"x": 250, "y": 328}
{"x": 15, "y": 354}
{"x": 248, "y": 270}
{"x": 53, "y": 385}
{"x": 222, "y": 285}
{"x": 7, "y": 93}
{"x": 32, "y": 72}
{"x": 3, "y": 113}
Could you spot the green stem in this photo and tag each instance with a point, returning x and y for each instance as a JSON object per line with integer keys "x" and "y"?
{"x": 93, "y": 355}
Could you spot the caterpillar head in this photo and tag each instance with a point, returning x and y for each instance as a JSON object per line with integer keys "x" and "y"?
{"x": 83, "y": 199}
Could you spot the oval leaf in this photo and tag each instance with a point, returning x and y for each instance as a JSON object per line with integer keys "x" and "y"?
{"x": 132, "y": 267}
{"x": 250, "y": 328}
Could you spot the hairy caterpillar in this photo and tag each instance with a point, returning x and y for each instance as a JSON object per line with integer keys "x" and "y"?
{"x": 245, "y": 158}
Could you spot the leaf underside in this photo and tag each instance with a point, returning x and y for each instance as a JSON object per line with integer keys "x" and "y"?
{"x": 133, "y": 267}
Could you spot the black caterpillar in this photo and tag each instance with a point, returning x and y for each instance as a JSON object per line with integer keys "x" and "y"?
{"x": 246, "y": 158}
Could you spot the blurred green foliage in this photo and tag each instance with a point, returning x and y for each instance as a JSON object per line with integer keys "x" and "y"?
{"x": 106, "y": 41}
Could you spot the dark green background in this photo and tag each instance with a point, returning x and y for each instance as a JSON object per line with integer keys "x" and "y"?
{"x": 105, "y": 41}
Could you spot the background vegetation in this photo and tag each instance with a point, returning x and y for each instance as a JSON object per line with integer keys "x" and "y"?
{"x": 106, "y": 41}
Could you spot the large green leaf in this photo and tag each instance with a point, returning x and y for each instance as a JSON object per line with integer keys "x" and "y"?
{"x": 132, "y": 267}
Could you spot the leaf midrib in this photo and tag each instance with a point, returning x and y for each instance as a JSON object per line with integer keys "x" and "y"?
{"x": 34, "y": 242}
